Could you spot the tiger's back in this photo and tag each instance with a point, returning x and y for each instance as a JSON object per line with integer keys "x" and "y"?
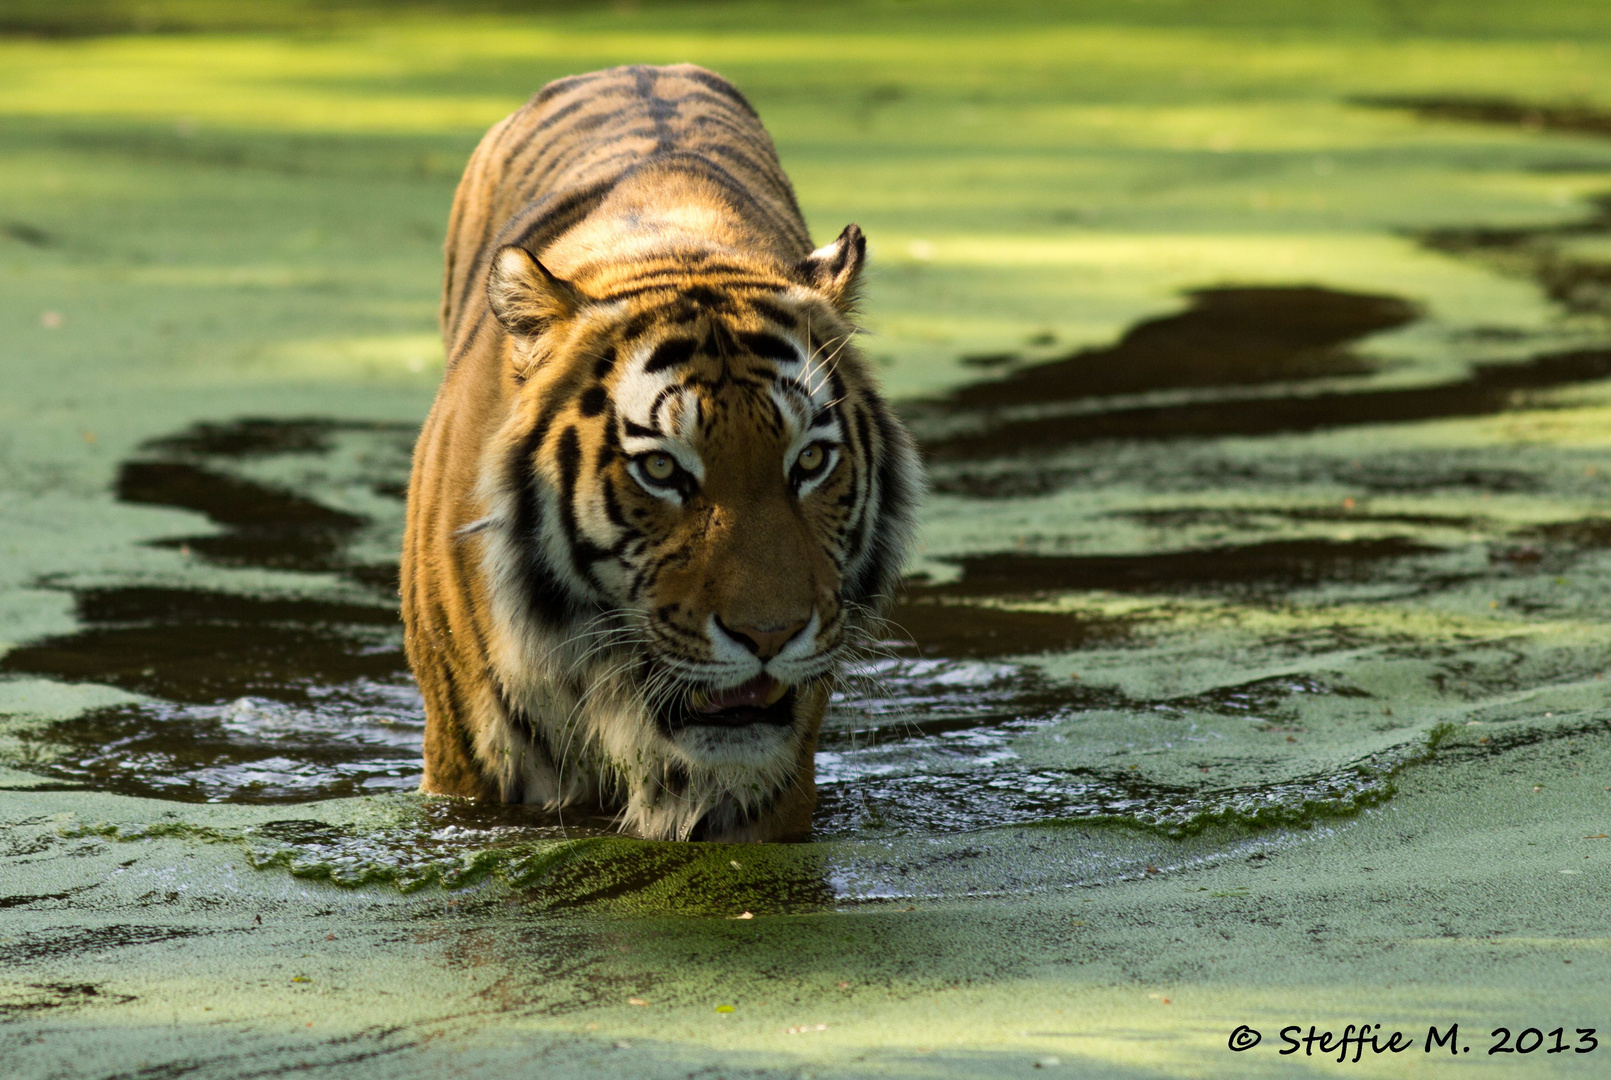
{"x": 615, "y": 214}
{"x": 542, "y": 170}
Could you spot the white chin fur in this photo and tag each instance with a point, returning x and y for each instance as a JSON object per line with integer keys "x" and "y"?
{"x": 714, "y": 747}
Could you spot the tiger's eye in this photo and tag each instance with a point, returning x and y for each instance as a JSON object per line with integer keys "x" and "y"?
{"x": 659, "y": 466}
{"x": 811, "y": 458}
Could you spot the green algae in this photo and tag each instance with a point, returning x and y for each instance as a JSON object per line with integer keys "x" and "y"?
{"x": 1388, "y": 636}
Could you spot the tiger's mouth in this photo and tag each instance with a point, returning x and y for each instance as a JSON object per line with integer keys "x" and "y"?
{"x": 761, "y": 700}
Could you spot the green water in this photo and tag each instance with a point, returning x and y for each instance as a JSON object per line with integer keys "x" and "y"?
{"x": 1251, "y": 669}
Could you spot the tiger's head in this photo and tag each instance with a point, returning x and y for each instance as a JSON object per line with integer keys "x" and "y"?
{"x": 698, "y": 505}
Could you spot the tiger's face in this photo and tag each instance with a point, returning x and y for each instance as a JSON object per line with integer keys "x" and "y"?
{"x": 723, "y": 490}
{"x": 710, "y": 498}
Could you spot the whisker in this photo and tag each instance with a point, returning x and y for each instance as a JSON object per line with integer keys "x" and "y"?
{"x": 570, "y": 724}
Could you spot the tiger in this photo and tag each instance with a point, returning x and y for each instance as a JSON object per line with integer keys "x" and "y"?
{"x": 658, "y": 503}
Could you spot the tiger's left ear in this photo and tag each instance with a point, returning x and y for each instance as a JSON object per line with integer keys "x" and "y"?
{"x": 527, "y": 298}
{"x": 835, "y": 270}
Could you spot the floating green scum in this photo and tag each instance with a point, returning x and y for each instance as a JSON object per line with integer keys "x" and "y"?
{"x": 1250, "y": 673}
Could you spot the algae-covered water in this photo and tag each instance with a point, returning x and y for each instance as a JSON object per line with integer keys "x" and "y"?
{"x": 1251, "y": 670}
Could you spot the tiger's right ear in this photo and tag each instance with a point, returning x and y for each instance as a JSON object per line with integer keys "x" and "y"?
{"x": 525, "y": 296}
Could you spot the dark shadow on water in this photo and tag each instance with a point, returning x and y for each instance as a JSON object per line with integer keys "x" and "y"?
{"x": 264, "y": 526}
{"x": 1581, "y": 534}
{"x": 1579, "y": 285}
{"x": 24, "y": 233}
{"x": 267, "y": 528}
{"x": 1503, "y": 112}
{"x": 970, "y": 630}
{"x": 1231, "y": 340}
{"x": 206, "y": 647}
{"x": 1277, "y": 566}
{"x": 1239, "y": 517}
{"x": 253, "y": 437}
{"x": 1028, "y": 476}
{"x": 1489, "y": 389}
{"x": 1227, "y": 337}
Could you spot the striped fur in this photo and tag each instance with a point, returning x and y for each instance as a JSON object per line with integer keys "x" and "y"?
{"x": 631, "y": 291}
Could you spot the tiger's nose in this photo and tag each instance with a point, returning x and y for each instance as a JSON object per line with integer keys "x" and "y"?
{"x": 765, "y": 640}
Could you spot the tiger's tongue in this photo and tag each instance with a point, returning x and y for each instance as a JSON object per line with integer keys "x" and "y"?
{"x": 759, "y": 692}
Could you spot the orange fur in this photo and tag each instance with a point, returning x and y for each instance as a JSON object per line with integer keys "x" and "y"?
{"x": 631, "y": 291}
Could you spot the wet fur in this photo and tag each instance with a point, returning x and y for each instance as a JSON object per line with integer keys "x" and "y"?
{"x": 614, "y": 213}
